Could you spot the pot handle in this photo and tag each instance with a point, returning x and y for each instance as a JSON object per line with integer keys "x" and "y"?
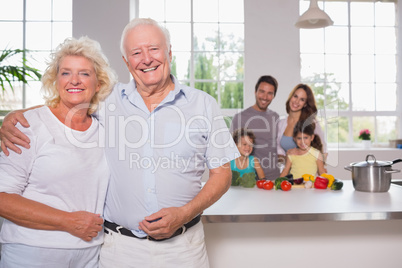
{"x": 367, "y": 157}
{"x": 392, "y": 171}
{"x": 396, "y": 161}
{"x": 348, "y": 168}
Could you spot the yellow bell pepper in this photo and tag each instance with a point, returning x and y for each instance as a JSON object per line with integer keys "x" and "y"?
{"x": 330, "y": 178}
{"x": 308, "y": 177}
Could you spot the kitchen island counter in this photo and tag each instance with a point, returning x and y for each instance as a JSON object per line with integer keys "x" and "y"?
{"x": 305, "y": 228}
{"x": 241, "y": 204}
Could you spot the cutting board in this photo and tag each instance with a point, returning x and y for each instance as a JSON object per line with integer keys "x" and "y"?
{"x": 298, "y": 186}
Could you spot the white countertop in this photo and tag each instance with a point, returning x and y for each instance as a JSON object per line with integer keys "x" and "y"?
{"x": 241, "y": 204}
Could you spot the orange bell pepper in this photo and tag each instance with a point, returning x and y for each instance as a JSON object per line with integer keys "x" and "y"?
{"x": 308, "y": 177}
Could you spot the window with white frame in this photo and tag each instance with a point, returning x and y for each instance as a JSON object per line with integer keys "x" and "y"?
{"x": 38, "y": 26}
{"x": 207, "y": 38}
{"x": 352, "y": 66}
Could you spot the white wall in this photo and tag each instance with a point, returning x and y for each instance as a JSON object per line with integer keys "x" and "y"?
{"x": 103, "y": 20}
{"x": 271, "y": 47}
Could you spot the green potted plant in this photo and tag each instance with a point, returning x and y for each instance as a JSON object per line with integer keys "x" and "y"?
{"x": 365, "y": 136}
{"x": 9, "y": 73}
{"x": 12, "y": 73}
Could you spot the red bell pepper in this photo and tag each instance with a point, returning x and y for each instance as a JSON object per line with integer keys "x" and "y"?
{"x": 321, "y": 183}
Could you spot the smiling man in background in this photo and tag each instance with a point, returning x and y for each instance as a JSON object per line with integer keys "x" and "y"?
{"x": 262, "y": 121}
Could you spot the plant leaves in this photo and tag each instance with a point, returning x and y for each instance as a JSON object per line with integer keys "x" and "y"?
{"x": 11, "y": 73}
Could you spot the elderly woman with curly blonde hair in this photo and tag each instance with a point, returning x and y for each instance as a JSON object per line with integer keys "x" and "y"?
{"x": 52, "y": 194}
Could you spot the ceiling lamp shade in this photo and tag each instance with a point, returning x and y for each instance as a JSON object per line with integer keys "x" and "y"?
{"x": 313, "y": 18}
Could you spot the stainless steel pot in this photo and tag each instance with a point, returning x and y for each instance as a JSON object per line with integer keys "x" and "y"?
{"x": 372, "y": 176}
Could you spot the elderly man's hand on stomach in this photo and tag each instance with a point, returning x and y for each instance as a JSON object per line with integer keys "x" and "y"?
{"x": 163, "y": 223}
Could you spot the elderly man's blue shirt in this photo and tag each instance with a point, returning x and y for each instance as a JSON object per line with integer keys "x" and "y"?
{"x": 157, "y": 158}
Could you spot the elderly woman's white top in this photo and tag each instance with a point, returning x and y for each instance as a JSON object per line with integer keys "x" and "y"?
{"x": 64, "y": 168}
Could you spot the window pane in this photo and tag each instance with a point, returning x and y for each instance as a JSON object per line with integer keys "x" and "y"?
{"x": 363, "y": 97}
{"x": 13, "y": 29}
{"x": 11, "y": 9}
{"x": 33, "y": 94}
{"x": 147, "y": 9}
{"x": 205, "y": 37}
{"x": 385, "y": 68}
{"x": 35, "y": 30}
{"x": 343, "y": 96}
{"x": 62, "y": 10}
{"x": 361, "y": 14}
{"x": 337, "y": 96}
{"x": 208, "y": 87}
{"x": 311, "y": 65}
{"x": 311, "y": 40}
{"x": 39, "y": 10}
{"x": 362, "y": 40}
{"x": 11, "y": 100}
{"x": 205, "y": 66}
{"x": 231, "y": 95}
{"x": 336, "y": 40}
{"x": 180, "y": 35}
{"x": 386, "y": 97}
{"x": 61, "y": 31}
{"x": 338, "y": 66}
{"x": 325, "y": 88}
{"x": 173, "y": 13}
{"x": 385, "y": 40}
{"x": 236, "y": 13}
{"x": 360, "y": 78}
{"x": 362, "y": 68}
{"x": 207, "y": 41}
{"x": 180, "y": 65}
{"x": 13, "y": 60}
{"x": 319, "y": 88}
{"x": 387, "y": 128}
{"x": 337, "y": 130}
{"x": 231, "y": 66}
{"x": 338, "y": 12}
{"x": 40, "y": 31}
{"x": 360, "y": 123}
{"x": 385, "y": 14}
{"x": 39, "y": 60}
{"x": 205, "y": 10}
{"x": 232, "y": 37}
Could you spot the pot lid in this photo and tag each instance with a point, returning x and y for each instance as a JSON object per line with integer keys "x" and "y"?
{"x": 372, "y": 163}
